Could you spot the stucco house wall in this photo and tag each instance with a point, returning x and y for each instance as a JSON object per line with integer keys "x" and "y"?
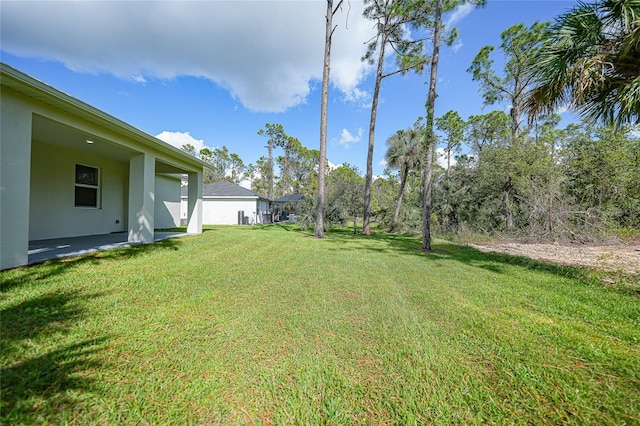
{"x": 52, "y": 213}
{"x": 223, "y": 211}
{"x": 221, "y": 202}
{"x": 167, "y": 201}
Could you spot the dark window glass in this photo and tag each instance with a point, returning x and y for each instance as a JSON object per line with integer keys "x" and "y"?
{"x": 86, "y": 197}
{"x": 86, "y": 175}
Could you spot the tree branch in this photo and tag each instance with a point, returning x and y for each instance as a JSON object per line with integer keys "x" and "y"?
{"x": 405, "y": 69}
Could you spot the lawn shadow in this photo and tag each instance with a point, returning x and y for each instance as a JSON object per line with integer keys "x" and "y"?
{"x": 406, "y": 243}
{"x": 183, "y": 229}
{"x": 42, "y": 368}
{"x": 493, "y": 262}
{"x": 39, "y": 272}
{"x": 44, "y": 383}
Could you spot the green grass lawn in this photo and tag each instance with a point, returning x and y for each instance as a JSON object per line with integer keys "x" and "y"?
{"x": 267, "y": 325}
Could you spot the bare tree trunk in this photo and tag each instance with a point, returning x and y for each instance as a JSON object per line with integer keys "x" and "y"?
{"x": 551, "y": 189}
{"x": 319, "y": 229}
{"x": 270, "y": 169}
{"x": 508, "y": 214}
{"x": 403, "y": 183}
{"x": 431, "y": 100}
{"x": 366, "y": 219}
{"x": 426, "y": 208}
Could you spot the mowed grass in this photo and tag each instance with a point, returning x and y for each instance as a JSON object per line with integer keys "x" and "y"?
{"x": 267, "y": 325}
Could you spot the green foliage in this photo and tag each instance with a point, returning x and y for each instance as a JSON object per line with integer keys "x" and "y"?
{"x": 344, "y": 195}
{"x": 276, "y": 138}
{"x": 189, "y": 149}
{"x": 577, "y": 183}
{"x": 452, "y": 125}
{"x": 393, "y": 19}
{"x": 298, "y": 168}
{"x": 297, "y": 164}
{"x": 603, "y": 175}
{"x": 487, "y": 130}
{"x": 404, "y": 153}
{"x": 590, "y": 61}
{"x": 224, "y": 165}
{"x": 519, "y": 46}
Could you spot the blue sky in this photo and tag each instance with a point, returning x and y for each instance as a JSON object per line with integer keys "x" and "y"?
{"x": 214, "y": 72}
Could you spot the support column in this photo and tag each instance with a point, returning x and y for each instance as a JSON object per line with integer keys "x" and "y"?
{"x": 142, "y": 173}
{"x": 194, "y": 203}
{"x": 15, "y": 181}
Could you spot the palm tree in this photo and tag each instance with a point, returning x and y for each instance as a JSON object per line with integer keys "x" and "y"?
{"x": 404, "y": 149}
{"x": 591, "y": 62}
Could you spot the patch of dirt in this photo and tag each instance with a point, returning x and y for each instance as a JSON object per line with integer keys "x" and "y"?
{"x": 619, "y": 257}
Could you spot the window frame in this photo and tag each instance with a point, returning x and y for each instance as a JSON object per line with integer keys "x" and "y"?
{"x": 96, "y": 187}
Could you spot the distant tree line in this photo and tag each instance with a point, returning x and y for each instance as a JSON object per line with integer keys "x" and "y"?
{"x": 515, "y": 173}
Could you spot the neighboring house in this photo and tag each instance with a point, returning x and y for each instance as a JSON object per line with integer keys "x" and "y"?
{"x": 225, "y": 203}
{"x": 68, "y": 169}
{"x": 287, "y": 207}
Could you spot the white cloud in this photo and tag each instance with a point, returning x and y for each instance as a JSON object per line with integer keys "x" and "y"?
{"x": 245, "y": 183}
{"x": 457, "y": 46}
{"x": 458, "y": 14}
{"x": 178, "y": 139}
{"x": 267, "y": 54}
{"x": 442, "y": 158}
{"x": 382, "y": 163}
{"x": 347, "y": 139}
{"x": 139, "y": 79}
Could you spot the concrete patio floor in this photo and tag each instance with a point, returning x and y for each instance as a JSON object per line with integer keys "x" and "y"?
{"x": 42, "y": 250}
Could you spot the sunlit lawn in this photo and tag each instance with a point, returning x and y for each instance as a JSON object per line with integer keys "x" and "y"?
{"x": 268, "y": 325}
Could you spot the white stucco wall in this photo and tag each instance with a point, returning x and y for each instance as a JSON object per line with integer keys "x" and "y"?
{"x": 224, "y": 211}
{"x": 52, "y": 213}
{"x": 167, "y": 201}
{"x": 15, "y": 155}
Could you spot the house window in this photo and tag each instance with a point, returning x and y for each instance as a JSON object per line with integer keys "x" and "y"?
{"x": 87, "y": 186}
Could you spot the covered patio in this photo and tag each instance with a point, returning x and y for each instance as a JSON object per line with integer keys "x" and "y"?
{"x": 72, "y": 172}
{"x": 57, "y": 248}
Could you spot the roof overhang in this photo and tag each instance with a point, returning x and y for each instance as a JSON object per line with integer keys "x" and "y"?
{"x": 48, "y": 95}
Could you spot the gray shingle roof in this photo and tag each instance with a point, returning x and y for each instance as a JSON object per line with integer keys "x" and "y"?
{"x": 224, "y": 189}
{"x": 292, "y": 198}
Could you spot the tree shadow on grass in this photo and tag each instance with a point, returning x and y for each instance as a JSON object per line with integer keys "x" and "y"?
{"x": 42, "y": 368}
{"x": 410, "y": 244}
{"x": 406, "y": 243}
{"x": 183, "y": 229}
{"x": 40, "y": 272}
{"x": 41, "y": 386}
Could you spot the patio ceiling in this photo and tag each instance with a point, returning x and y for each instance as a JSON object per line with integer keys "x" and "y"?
{"x": 51, "y": 132}
{"x": 54, "y": 133}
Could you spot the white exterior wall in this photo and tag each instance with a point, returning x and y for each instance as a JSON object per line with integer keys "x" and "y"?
{"x": 142, "y": 173}
{"x": 224, "y": 211}
{"x": 194, "y": 202}
{"x": 167, "y": 202}
{"x": 15, "y": 155}
{"x": 52, "y": 213}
